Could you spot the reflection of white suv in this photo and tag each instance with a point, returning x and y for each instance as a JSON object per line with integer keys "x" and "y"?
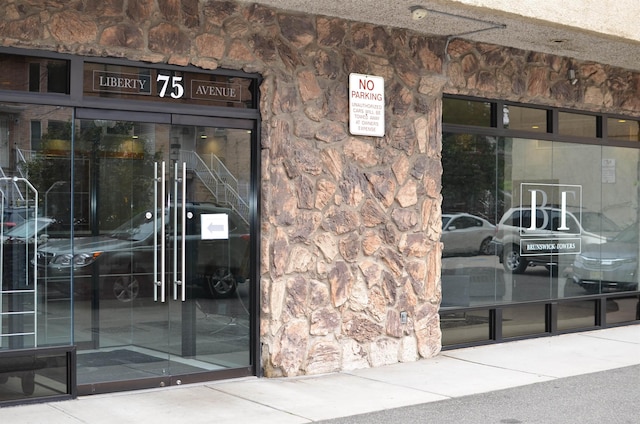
{"x": 520, "y": 244}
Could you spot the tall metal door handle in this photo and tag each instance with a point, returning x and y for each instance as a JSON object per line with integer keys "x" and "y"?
{"x": 179, "y": 262}
{"x": 176, "y": 234}
{"x": 159, "y": 283}
{"x": 155, "y": 232}
{"x": 163, "y": 241}
{"x": 184, "y": 232}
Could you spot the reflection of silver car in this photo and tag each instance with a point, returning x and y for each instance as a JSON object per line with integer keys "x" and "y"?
{"x": 514, "y": 229}
{"x": 123, "y": 260}
{"x": 464, "y": 234}
{"x": 610, "y": 266}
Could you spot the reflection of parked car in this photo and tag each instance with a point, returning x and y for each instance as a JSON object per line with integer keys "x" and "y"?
{"x": 466, "y": 234}
{"x": 23, "y": 232}
{"x": 123, "y": 260}
{"x": 17, "y": 246}
{"x": 610, "y": 266}
{"x": 12, "y": 216}
{"x": 515, "y": 227}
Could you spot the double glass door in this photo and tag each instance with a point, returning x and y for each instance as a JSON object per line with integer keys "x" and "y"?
{"x": 161, "y": 254}
{"x": 143, "y": 245}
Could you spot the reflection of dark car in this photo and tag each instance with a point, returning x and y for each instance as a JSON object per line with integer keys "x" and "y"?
{"x": 122, "y": 262}
{"x": 514, "y": 228}
{"x": 17, "y": 245}
{"x": 466, "y": 234}
{"x": 610, "y": 266}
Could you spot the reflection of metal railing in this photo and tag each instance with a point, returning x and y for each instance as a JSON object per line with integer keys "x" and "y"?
{"x": 21, "y": 280}
{"x": 12, "y": 195}
{"x": 218, "y": 180}
{"x": 22, "y": 157}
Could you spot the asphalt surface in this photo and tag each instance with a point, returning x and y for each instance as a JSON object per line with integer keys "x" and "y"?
{"x": 597, "y": 398}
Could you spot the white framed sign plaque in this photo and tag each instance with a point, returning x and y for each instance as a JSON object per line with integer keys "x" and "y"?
{"x": 366, "y": 105}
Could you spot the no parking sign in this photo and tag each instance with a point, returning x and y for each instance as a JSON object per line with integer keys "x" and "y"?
{"x": 366, "y": 105}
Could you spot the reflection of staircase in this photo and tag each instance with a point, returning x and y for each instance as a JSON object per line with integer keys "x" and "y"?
{"x": 21, "y": 158}
{"x": 16, "y": 198}
{"x": 214, "y": 176}
{"x": 218, "y": 180}
{"x": 10, "y": 191}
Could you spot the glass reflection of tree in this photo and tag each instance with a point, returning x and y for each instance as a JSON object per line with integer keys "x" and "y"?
{"x": 113, "y": 173}
{"x": 470, "y": 175}
{"x": 120, "y": 170}
{"x": 49, "y": 170}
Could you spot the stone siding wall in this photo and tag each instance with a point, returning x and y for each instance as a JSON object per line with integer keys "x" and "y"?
{"x": 496, "y": 72}
{"x": 350, "y": 226}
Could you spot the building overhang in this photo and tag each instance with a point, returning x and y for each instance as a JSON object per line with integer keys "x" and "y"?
{"x": 604, "y": 33}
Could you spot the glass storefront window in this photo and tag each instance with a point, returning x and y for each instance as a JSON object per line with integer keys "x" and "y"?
{"x": 523, "y": 320}
{"x": 623, "y": 129}
{"x": 542, "y": 232}
{"x": 576, "y": 314}
{"x": 577, "y": 125}
{"x": 42, "y": 374}
{"x": 621, "y": 310}
{"x": 465, "y": 327}
{"x": 556, "y": 229}
{"x": 467, "y": 112}
{"x": 525, "y": 119}
{"x": 35, "y": 207}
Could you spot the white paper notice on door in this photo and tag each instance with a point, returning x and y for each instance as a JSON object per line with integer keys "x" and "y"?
{"x": 608, "y": 171}
{"x": 214, "y": 226}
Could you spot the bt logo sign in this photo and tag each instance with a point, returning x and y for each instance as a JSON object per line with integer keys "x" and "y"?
{"x": 539, "y": 196}
{"x": 553, "y": 219}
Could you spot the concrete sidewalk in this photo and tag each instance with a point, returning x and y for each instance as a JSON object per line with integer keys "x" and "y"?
{"x": 450, "y": 375}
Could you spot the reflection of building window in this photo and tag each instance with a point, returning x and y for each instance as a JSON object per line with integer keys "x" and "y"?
{"x": 36, "y": 135}
{"x": 34, "y": 77}
{"x": 56, "y": 128}
{"x": 58, "y": 77}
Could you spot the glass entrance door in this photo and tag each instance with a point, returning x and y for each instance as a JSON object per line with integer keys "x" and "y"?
{"x": 159, "y": 265}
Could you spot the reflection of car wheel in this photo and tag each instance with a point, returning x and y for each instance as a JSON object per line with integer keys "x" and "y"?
{"x": 512, "y": 261}
{"x": 126, "y": 287}
{"x": 485, "y": 246}
{"x": 591, "y": 288}
{"x": 28, "y": 383}
{"x": 222, "y": 283}
{"x": 569, "y": 286}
